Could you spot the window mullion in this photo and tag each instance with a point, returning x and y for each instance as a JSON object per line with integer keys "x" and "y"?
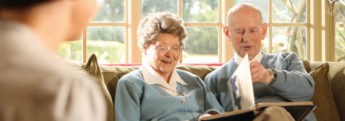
{"x": 220, "y": 31}
{"x": 270, "y": 25}
{"x": 127, "y": 31}
{"x": 133, "y": 21}
{"x": 308, "y": 30}
{"x": 84, "y": 45}
{"x": 180, "y": 9}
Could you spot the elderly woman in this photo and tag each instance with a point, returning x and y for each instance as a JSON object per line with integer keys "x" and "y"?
{"x": 159, "y": 91}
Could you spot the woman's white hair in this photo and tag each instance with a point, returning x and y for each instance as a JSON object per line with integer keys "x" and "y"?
{"x": 156, "y": 23}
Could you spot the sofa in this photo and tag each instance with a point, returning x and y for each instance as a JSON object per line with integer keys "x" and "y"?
{"x": 329, "y": 77}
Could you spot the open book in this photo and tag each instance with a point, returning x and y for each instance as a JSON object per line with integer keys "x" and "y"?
{"x": 298, "y": 111}
{"x": 241, "y": 86}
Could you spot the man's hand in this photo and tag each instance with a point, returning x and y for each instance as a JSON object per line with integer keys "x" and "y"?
{"x": 259, "y": 73}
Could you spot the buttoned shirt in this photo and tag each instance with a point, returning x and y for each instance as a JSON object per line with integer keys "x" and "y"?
{"x": 238, "y": 58}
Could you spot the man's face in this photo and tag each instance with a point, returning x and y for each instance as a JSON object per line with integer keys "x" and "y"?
{"x": 245, "y": 32}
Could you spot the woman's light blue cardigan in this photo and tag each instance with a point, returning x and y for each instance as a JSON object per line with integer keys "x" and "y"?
{"x": 136, "y": 100}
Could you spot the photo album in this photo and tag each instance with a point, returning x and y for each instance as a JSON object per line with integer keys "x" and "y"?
{"x": 245, "y": 108}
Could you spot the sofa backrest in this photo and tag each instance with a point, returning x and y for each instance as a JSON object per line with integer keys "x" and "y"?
{"x": 329, "y": 107}
{"x": 112, "y": 74}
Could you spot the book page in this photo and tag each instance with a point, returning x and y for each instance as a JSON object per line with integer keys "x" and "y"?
{"x": 241, "y": 86}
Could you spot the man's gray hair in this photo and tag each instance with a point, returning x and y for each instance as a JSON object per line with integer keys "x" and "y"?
{"x": 162, "y": 22}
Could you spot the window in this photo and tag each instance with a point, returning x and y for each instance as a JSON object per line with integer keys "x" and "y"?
{"x": 287, "y": 25}
{"x": 201, "y": 19}
{"x": 339, "y": 17}
{"x": 293, "y": 25}
{"x": 105, "y": 36}
{"x": 204, "y": 31}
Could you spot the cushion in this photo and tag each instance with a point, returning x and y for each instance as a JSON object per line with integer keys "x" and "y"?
{"x": 323, "y": 97}
{"x": 337, "y": 76}
{"x": 200, "y": 71}
{"x": 112, "y": 74}
{"x": 306, "y": 65}
{"x": 93, "y": 69}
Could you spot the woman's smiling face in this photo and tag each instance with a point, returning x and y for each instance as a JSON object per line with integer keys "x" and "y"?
{"x": 164, "y": 53}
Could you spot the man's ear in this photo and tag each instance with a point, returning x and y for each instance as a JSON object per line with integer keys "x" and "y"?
{"x": 264, "y": 31}
{"x": 226, "y": 32}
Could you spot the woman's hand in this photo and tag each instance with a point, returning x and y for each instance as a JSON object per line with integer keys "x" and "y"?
{"x": 204, "y": 116}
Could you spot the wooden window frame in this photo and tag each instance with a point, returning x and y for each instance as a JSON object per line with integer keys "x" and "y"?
{"x": 315, "y": 24}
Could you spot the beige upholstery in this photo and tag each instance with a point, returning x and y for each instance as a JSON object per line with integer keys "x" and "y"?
{"x": 329, "y": 79}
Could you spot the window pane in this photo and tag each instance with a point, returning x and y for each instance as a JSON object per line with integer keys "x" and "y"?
{"x": 261, "y": 4}
{"x": 339, "y": 31}
{"x": 151, "y": 6}
{"x": 289, "y": 39}
{"x": 108, "y": 43}
{"x": 111, "y": 11}
{"x": 289, "y": 11}
{"x": 71, "y": 51}
{"x": 201, "y": 46}
{"x": 200, "y": 10}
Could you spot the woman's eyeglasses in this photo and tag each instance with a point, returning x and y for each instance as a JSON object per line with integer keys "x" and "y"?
{"x": 175, "y": 49}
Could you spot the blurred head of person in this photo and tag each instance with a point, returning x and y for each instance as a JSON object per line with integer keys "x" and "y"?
{"x": 245, "y": 29}
{"x": 160, "y": 38}
{"x": 52, "y": 21}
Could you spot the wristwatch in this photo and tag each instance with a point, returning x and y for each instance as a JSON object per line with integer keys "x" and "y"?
{"x": 273, "y": 75}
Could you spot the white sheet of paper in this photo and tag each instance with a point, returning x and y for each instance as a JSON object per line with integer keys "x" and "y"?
{"x": 242, "y": 86}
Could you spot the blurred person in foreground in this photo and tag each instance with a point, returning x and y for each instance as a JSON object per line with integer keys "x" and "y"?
{"x": 276, "y": 77}
{"x": 34, "y": 84}
{"x": 159, "y": 91}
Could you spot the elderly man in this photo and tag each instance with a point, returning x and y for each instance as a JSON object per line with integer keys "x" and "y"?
{"x": 276, "y": 77}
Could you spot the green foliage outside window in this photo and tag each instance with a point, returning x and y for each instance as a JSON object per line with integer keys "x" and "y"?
{"x": 71, "y": 51}
{"x": 202, "y": 41}
{"x": 106, "y": 51}
{"x": 339, "y": 13}
{"x": 200, "y": 11}
{"x": 111, "y": 11}
{"x": 151, "y": 6}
